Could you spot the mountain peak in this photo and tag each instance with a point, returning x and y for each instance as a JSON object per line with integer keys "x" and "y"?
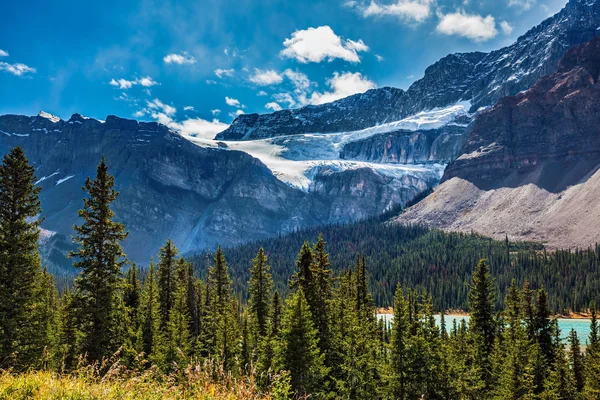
{"x": 48, "y": 116}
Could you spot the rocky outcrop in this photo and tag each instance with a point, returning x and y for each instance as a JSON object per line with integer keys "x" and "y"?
{"x": 407, "y": 147}
{"x": 172, "y": 188}
{"x": 482, "y": 78}
{"x": 530, "y": 167}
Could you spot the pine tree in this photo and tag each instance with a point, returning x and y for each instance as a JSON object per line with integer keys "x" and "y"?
{"x": 260, "y": 288}
{"x": 299, "y": 352}
{"x": 303, "y": 277}
{"x": 19, "y": 257}
{"x": 576, "y": 359}
{"x": 150, "y": 310}
{"x": 560, "y": 382}
{"x": 399, "y": 346}
{"x": 276, "y": 314}
{"x": 167, "y": 266}
{"x": 178, "y": 340}
{"x": 100, "y": 259}
{"x": 321, "y": 303}
{"x": 482, "y": 297}
{"x": 221, "y": 314}
{"x": 543, "y": 327}
{"x": 132, "y": 298}
{"x": 592, "y": 359}
{"x": 67, "y": 335}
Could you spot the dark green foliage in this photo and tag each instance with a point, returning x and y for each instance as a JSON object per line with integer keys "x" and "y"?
{"x": 100, "y": 259}
{"x": 437, "y": 262}
{"x": 167, "y": 284}
{"x": 19, "y": 261}
{"x": 299, "y": 351}
{"x": 260, "y": 288}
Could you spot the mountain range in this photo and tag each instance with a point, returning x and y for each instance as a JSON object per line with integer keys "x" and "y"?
{"x": 360, "y": 156}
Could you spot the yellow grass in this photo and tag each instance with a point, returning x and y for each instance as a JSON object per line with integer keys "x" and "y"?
{"x": 193, "y": 383}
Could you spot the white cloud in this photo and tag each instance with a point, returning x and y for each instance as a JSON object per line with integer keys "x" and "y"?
{"x": 3, "y": 53}
{"x": 299, "y": 80}
{"x": 156, "y": 106}
{"x": 471, "y": 26}
{"x": 342, "y": 85}
{"x": 285, "y": 98}
{"x": 17, "y": 69}
{"x": 139, "y": 113}
{"x": 266, "y": 78}
{"x": 273, "y": 106}
{"x": 415, "y": 11}
{"x": 224, "y": 72}
{"x": 183, "y": 58}
{"x": 261, "y": 93}
{"x": 216, "y": 111}
{"x": 147, "y": 82}
{"x": 198, "y": 128}
{"x": 236, "y": 114}
{"x": 127, "y": 84}
{"x": 232, "y": 102}
{"x": 189, "y": 128}
{"x": 379, "y": 58}
{"x": 188, "y": 108}
{"x": 522, "y": 4}
{"x": 507, "y": 29}
{"x": 317, "y": 44}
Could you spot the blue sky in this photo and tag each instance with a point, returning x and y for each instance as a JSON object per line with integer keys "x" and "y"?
{"x": 195, "y": 64}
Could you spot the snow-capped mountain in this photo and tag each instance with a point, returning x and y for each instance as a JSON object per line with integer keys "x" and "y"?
{"x": 481, "y": 78}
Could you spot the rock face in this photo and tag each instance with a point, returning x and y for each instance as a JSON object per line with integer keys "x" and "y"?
{"x": 482, "y": 78}
{"x": 407, "y": 147}
{"x": 530, "y": 167}
{"x": 172, "y": 188}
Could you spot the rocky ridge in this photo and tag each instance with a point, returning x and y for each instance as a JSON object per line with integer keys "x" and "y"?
{"x": 481, "y": 78}
{"x": 531, "y": 166}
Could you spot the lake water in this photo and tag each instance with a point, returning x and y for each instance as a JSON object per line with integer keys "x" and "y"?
{"x": 581, "y": 326}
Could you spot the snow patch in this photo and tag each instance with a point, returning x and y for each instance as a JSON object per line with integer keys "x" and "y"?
{"x": 42, "y": 179}
{"x": 51, "y": 117}
{"x": 63, "y": 180}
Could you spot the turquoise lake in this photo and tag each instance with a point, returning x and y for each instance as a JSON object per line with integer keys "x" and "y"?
{"x": 581, "y": 326}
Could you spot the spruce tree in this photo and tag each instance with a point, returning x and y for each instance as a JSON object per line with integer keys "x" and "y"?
{"x": 260, "y": 288}
{"x": 303, "y": 277}
{"x": 221, "y": 314}
{"x": 321, "y": 303}
{"x": 399, "y": 346}
{"x": 99, "y": 258}
{"x": 482, "y": 298}
{"x": 576, "y": 360}
{"x": 299, "y": 352}
{"x": 19, "y": 257}
{"x": 150, "y": 313}
{"x": 167, "y": 280}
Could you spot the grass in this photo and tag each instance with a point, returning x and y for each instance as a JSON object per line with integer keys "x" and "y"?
{"x": 195, "y": 382}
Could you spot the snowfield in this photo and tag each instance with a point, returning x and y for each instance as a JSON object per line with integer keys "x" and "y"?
{"x": 298, "y": 159}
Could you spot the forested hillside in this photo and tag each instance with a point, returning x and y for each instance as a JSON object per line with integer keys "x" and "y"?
{"x": 167, "y": 333}
{"x": 431, "y": 260}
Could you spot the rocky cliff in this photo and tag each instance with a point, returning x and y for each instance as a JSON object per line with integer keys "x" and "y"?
{"x": 172, "y": 188}
{"x": 530, "y": 167}
{"x": 481, "y": 78}
{"x": 441, "y": 145}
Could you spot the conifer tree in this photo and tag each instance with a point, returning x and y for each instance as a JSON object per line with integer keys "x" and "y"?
{"x": 482, "y": 297}
{"x": 576, "y": 360}
{"x": 150, "y": 310}
{"x": 167, "y": 280}
{"x": 19, "y": 257}
{"x": 276, "y": 314}
{"x": 99, "y": 258}
{"x": 543, "y": 327}
{"x": 260, "y": 288}
{"x": 299, "y": 352}
{"x": 321, "y": 303}
{"x": 592, "y": 359}
{"x": 132, "y": 298}
{"x": 560, "y": 382}
{"x": 178, "y": 341}
{"x": 221, "y": 313}
{"x": 399, "y": 346}
{"x": 303, "y": 277}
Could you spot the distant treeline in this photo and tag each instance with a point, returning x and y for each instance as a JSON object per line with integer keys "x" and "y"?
{"x": 438, "y": 262}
